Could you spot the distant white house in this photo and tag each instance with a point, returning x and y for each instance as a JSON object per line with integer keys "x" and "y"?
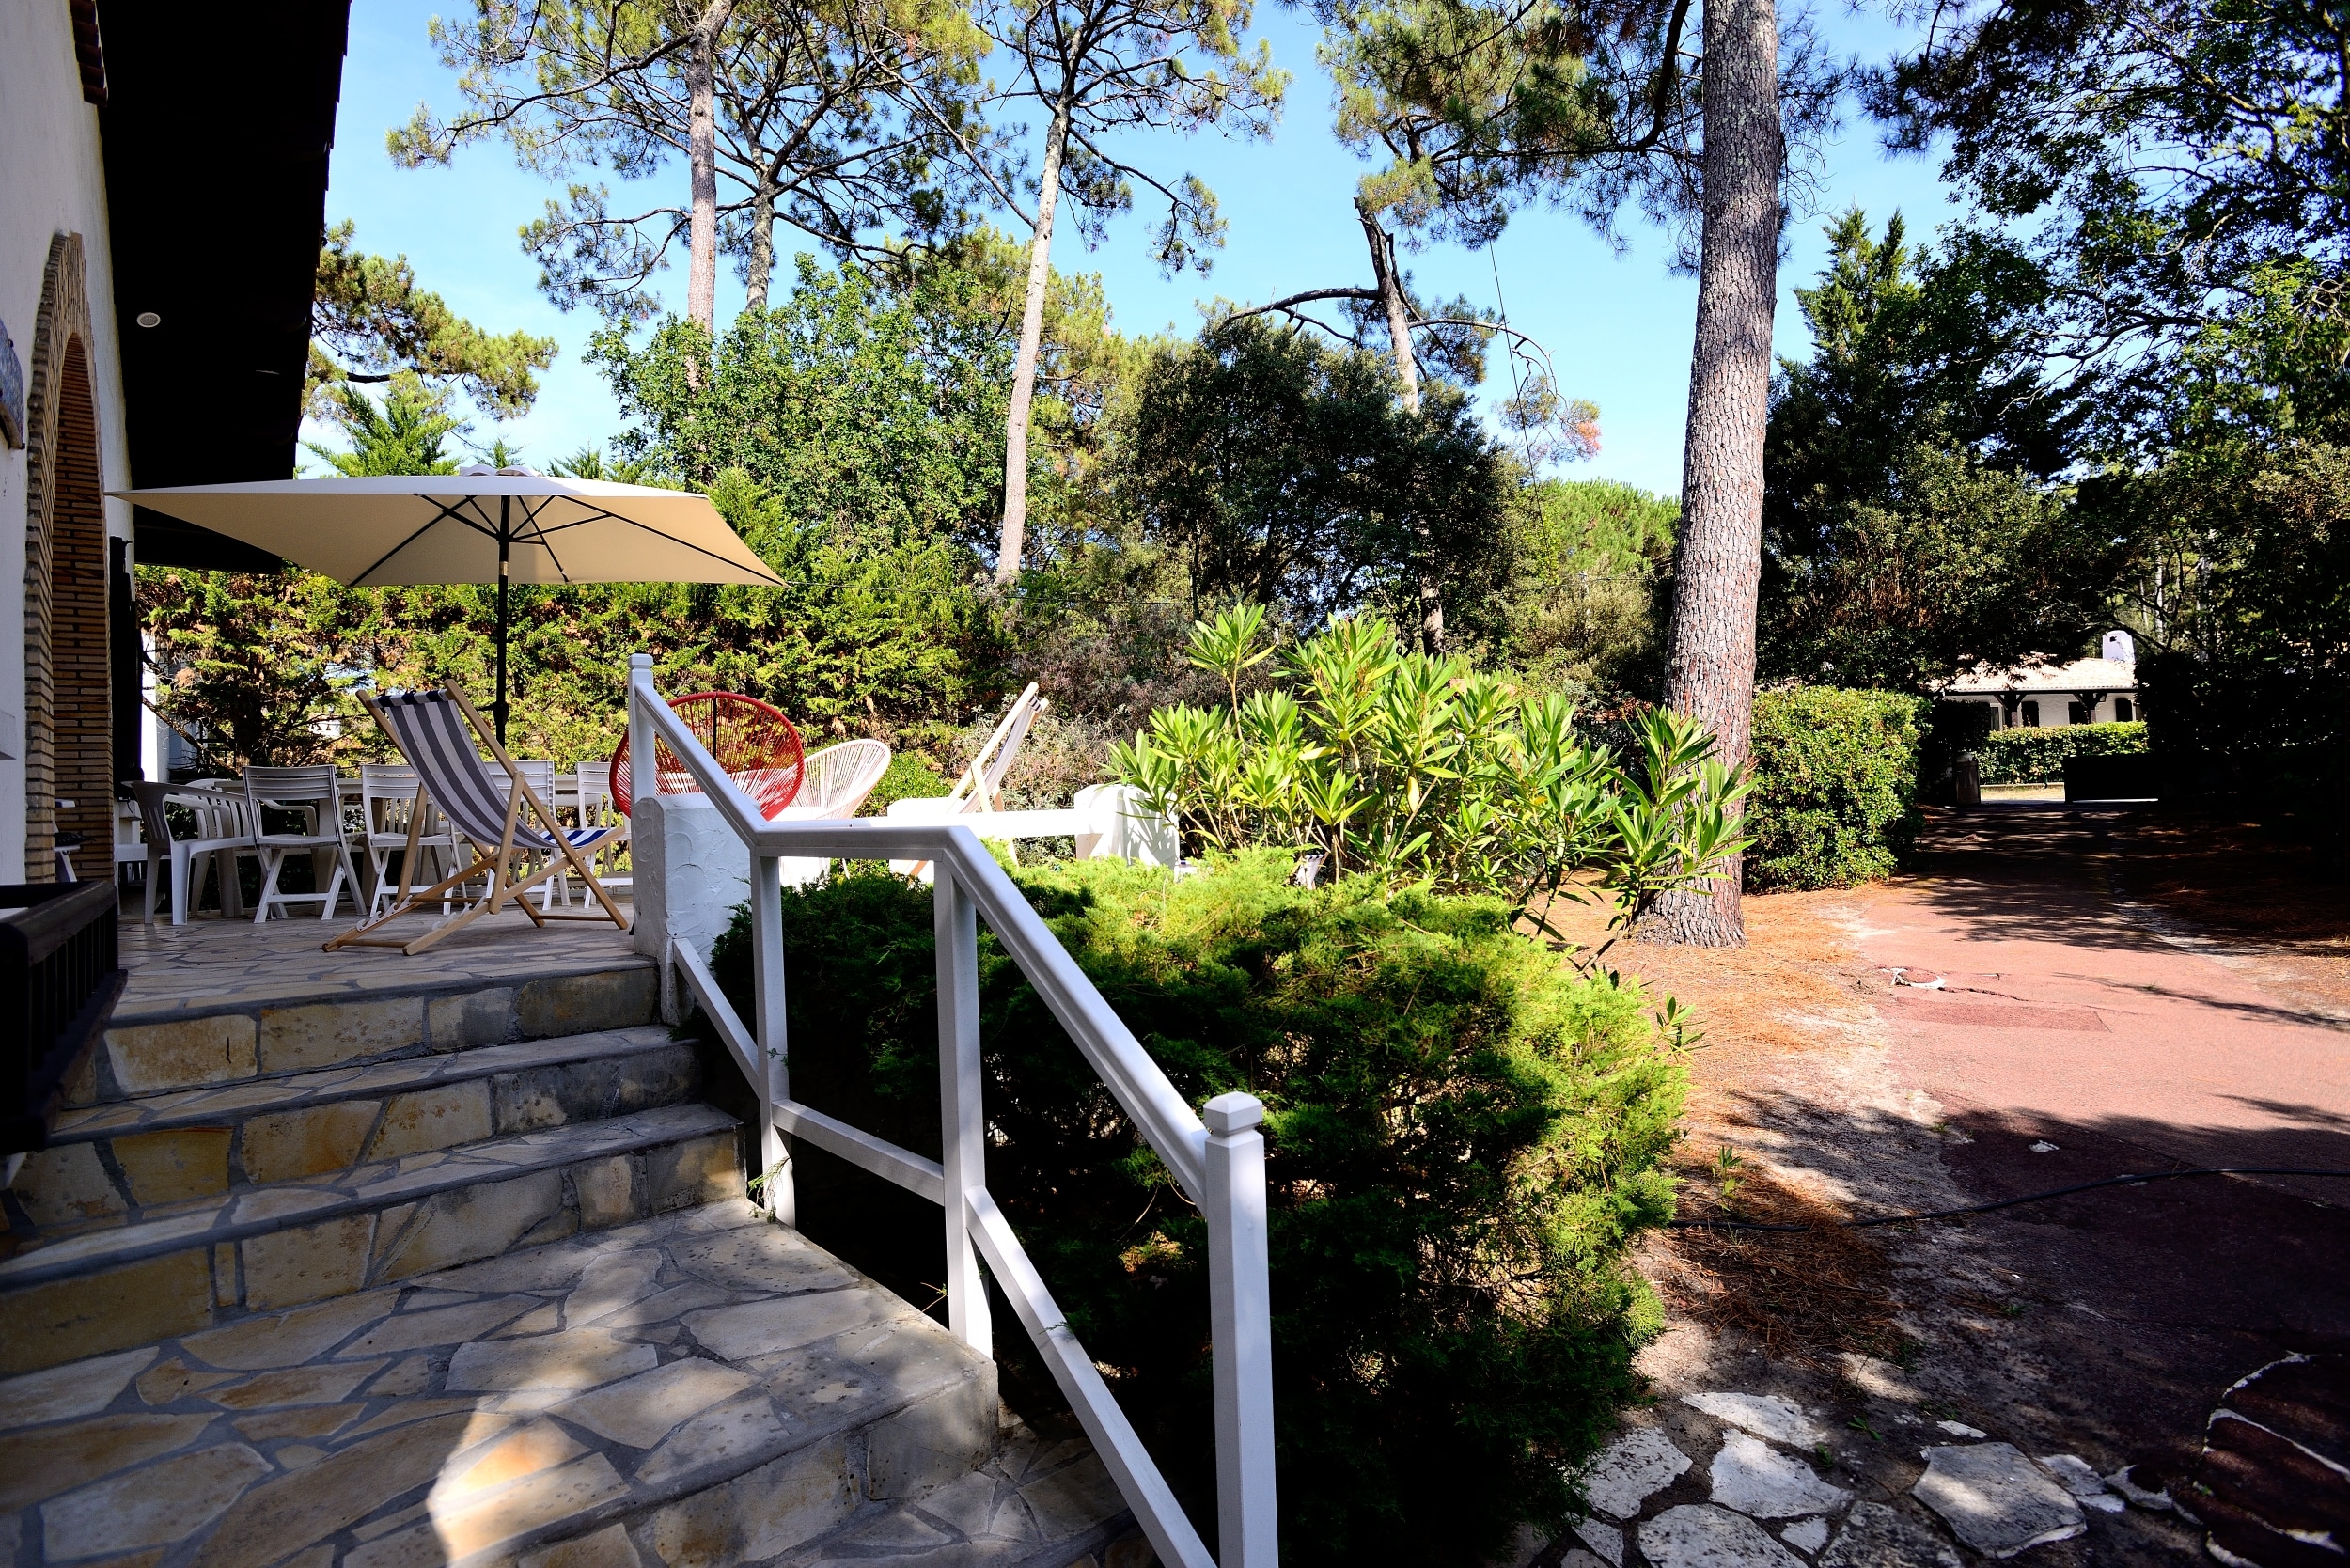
{"x": 2044, "y": 695}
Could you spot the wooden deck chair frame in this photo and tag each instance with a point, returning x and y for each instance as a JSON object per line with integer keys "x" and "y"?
{"x": 981, "y": 786}
{"x": 497, "y": 866}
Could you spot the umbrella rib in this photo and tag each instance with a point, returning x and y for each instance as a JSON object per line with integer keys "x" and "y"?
{"x": 691, "y": 545}
{"x": 602, "y": 516}
{"x": 538, "y": 531}
{"x": 446, "y": 511}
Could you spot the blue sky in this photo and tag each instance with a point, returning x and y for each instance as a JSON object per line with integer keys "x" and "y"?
{"x": 1618, "y": 325}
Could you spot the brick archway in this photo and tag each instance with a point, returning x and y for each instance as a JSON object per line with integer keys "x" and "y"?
{"x": 69, "y": 745}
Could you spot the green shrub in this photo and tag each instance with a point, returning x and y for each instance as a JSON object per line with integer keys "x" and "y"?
{"x": 909, "y": 776}
{"x": 1835, "y": 786}
{"x": 1463, "y": 1138}
{"x": 2038, "y": 756}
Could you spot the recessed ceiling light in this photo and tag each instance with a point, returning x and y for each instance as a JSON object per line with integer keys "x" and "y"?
{"x": 149, "y": 318}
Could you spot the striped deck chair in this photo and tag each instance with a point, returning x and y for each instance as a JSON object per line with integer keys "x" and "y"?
{"x": 435, "y": 731}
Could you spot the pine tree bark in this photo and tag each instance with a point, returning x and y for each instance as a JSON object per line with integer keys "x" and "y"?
{"x": 762, "y": 259}
{"x": 1708, "y": 657}
{"x": 1390, "y": 286}
{"x": 701, "y": 150}
{"x": 1015, "y": 530}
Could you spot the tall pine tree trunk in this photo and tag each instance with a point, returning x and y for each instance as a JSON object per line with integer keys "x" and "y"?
{"x": 701, "y": 148}
{"x": 1015, "y": 533}
{"x": 1390, "y": 286}
{"x": 1717, "y": 566}
{"x": 762, "y": 260}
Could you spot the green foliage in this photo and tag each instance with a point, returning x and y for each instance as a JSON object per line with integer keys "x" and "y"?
{"x": 2164, "y": 165}
{"x": 845, "y": 121}
{"x": 1835, "y": 786}
{"x": 1909, "y": 529}
{"x": 1590, "y": 560}
{"x": 909, "y": 776}
{"x": 405, "y": 433}
{"x": 875, "y": 416}
{"x": 2020, "y": 756}
{"x": 1408, "y": 768}
{"x": 1463, "y": 1141}
{"x": 370, "y": 322}
{"x": 1284, "y": 472}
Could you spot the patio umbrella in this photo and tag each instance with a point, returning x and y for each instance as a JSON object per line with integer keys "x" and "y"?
{"x": 477, "y": 525}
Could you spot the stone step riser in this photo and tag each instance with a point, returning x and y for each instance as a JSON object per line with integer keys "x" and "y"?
{"x": 113, "y": 1177}
{"x": 88, "y": 1306}
{"x": 145, "y": 1053}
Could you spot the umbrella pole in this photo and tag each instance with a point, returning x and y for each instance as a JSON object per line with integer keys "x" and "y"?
{"x": 499, "y": 706}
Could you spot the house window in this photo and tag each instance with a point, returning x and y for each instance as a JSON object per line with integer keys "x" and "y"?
{"x": 2121, "y": 711}
{"x": 2077, "y": 712}
{"x": 2031, "y": 715}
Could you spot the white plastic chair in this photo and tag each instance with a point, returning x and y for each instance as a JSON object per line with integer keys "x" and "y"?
{"x": 387, "y": 793}
{"x": 317, "y": 792}
{"x": 220, "y": 829}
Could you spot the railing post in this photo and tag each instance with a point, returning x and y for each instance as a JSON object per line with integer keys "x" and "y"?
{"x": 642, "y": 782}
{"x": 772, "y": 1032}
{"x": 962, "y": 1121}
{"x": 1239, "y": 1313}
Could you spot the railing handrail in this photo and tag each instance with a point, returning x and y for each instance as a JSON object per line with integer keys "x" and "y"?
{"x": 1167, "y": 1119}
{"x": 1218, "y": 1161}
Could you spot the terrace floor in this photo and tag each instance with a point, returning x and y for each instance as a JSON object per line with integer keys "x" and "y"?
{"x": 223, "y": 965}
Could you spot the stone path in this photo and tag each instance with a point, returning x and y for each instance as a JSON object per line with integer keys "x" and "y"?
{"x": 1770, "y": 1496}
{"x": 702, "y": 1388}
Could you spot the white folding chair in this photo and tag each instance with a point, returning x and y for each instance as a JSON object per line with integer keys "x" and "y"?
{"x": 389, "y": 793}
{"x": 317, "y": 794}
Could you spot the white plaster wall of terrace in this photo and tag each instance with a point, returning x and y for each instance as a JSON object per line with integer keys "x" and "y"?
{"x": 51, "y": 181}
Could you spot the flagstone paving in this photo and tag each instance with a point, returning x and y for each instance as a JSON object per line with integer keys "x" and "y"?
{"x": 213, "y": 965}
{"x": 355, "y": 1258}
{"x": 702, "y": 1388}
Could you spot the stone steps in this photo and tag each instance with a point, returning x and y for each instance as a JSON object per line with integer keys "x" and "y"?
{"x": 129, "y": 1159}
{"x": 218, "y": 1033}
{"x": 343, "y": 1259}
{"x": 695, "y": 1390}
{"x": 288, "y": 1243}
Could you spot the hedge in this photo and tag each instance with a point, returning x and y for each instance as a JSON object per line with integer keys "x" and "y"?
{"x": 2038, "y": 756}
{"x": 1464, "y": 1139}
{"x": 1835, "y": 797}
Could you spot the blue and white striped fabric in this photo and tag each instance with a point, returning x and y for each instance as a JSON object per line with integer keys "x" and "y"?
{"x": 472, "y": 793}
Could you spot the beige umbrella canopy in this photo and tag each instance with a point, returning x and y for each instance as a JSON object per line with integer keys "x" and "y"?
{"x": 477, "y": 525}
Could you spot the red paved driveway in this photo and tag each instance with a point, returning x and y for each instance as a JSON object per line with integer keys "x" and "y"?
{"x": 2063, "y": 1021}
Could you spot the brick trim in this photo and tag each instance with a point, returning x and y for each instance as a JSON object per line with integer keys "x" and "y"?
{"x": 69, "y": 747}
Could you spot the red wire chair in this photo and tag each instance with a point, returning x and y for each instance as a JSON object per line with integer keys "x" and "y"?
{"x": 756, "y": 745}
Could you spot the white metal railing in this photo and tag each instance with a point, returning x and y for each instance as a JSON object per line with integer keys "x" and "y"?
{"x": 1219, "y": 1162}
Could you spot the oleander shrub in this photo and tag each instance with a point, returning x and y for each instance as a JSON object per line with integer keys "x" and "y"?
{"x": 1835, "y": 796}
{"x": 1463, "y": 1137}
{"x": 2038, "y": 756}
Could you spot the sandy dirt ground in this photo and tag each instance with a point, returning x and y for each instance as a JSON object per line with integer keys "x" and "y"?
{"x": 2061, "y": 995}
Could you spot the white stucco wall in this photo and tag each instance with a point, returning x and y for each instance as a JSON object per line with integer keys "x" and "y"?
{"x": 51, "y": 180}
{"x": 2055, "y": 706}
